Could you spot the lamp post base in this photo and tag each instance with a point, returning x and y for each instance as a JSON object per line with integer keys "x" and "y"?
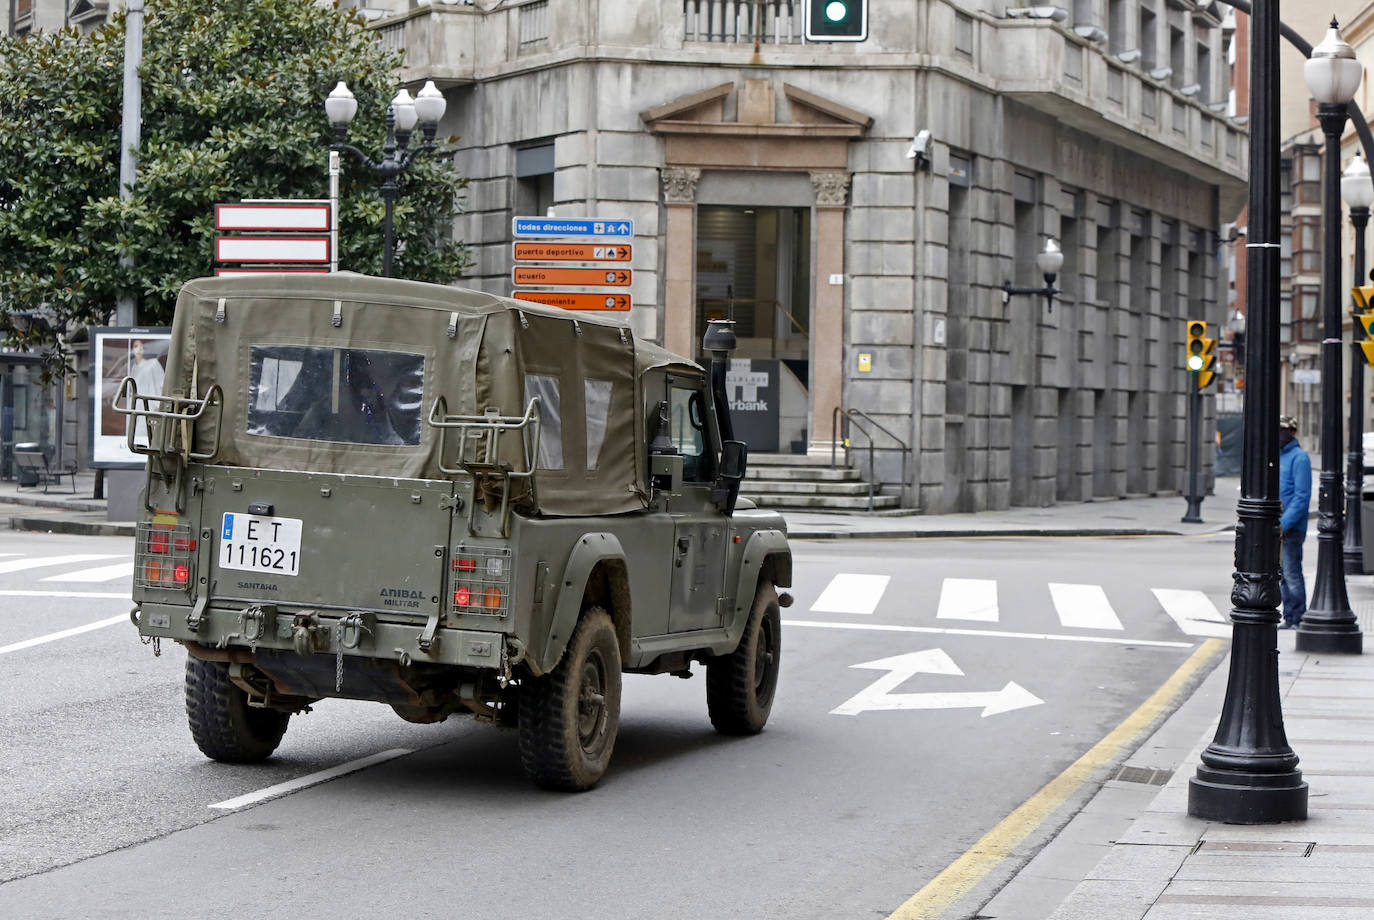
{"x": 1247, "y": 798}
{"x": 1337, "y": 638}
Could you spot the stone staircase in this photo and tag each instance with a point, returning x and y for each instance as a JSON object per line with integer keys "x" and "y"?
{"x": 800, "y": 482}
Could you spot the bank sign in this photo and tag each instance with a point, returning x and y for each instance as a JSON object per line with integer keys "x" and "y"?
{"x": 751, "y": 386}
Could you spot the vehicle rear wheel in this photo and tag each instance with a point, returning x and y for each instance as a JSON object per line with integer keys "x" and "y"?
{"x": 740, "y": 686}
{"x": 222, "y": 723}
{"x": 569, "y": 717}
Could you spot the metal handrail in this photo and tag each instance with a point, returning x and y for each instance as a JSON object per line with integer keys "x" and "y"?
{"x": 853, "y": 416}
{"x": 177, "y": 409}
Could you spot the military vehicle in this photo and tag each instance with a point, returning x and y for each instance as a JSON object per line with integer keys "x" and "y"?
{"x": 445, "y": 501}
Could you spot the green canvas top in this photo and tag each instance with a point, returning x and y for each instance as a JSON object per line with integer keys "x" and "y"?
{"x": 269, "y": 341}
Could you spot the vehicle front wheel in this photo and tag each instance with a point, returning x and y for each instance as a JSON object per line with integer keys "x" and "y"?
{"x": 740, "y": 686}
{"x": 222, "y": 723}
{"x": 569, "y": 717}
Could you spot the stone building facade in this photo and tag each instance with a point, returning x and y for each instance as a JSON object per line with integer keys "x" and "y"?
{"x": 858, "y": 207}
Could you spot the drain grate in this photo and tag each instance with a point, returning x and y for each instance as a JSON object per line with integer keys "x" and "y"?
{"x": 1144, "y": 775}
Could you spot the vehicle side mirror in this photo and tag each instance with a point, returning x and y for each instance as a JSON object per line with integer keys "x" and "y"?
{"x": 733, "y": 459}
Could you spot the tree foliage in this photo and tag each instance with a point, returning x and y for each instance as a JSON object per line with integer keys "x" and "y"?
{"x": 233, "y": 109}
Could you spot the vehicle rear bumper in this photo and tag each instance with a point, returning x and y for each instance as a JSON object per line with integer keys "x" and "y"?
{"x": 318, "y": 631}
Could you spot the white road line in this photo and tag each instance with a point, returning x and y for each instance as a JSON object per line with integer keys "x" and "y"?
{"x": 64, "y": 634}
{"x": 312, "y": 779}
{"x": 100, "y": 573}
{"x": 1084, "y": 607}
{"x": 38, "y": 562}
{"x": 852, "y": 594}
{"x": 991, "y": 633}
{"x": 968, "y": 599}
{"x": 1194, "y": 612}
{"x": 122, "y": 595}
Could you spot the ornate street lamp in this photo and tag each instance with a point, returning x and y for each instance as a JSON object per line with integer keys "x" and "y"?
{"x": 427, "y": 108}
{"x": 1049, "y": 260}
{"x": 1249, "y": 774}
{"x": 1329, "y": 625}
{"x": 1358, "y": 192}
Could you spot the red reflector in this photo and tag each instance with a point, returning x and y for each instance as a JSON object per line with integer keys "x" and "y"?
{"x": 182, "y": 573}
{"x": 492, "y": 599}
{"x": 158, "y": 542}
{"x": 185, "y": 544}
{"x": 462, "y": 596}
{"x": 465, "y": 565}
{"x": 152, "y": 571}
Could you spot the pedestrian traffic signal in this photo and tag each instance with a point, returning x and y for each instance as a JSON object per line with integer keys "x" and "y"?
{"x": 1201, "y": 353}
{"x": 836, "y": 20}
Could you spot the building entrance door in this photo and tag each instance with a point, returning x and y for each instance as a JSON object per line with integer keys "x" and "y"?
{"x": 753, "y": 265}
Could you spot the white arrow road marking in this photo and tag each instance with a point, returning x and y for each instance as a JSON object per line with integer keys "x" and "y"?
{"x": 19, "y": 565}
{"x": 1194, "y": 612}
{"x": 1084, "y": 607}
{"x": 968, "y": 599}
{"x": 100, "y": 573}
{"x": 852, "y": 594}
{"x": 879, "y": 696}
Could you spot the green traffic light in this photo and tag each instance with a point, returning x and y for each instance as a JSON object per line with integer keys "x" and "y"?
{"x": 1195, "y": 362}
{"x": 835, "y": 11}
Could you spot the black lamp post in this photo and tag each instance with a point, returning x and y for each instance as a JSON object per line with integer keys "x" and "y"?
{"x": 1249, "y": 774}
{"x": 1329, "y": 625}
{"x": 1358, "y": 192}
{"x": 397, "y": 156}
{"x": 1049, "y": 260}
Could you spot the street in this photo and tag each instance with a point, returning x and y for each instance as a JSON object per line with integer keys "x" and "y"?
{"x": 929, "y": 687}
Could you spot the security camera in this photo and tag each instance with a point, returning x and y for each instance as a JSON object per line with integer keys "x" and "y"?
{"x": 1128, "y": 57}
{"x": 920, "y": 148}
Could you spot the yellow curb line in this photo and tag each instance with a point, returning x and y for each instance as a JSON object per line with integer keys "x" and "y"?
{"x": 960, "y": 876}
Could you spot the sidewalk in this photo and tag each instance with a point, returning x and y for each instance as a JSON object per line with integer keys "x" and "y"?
{"x": 1133, "y": 853}
{"x": 60, "y": 511}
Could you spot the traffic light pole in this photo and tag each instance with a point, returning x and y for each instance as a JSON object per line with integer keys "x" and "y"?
{"x": 1354, "y": 465}
{"x": 1194, "y": 513}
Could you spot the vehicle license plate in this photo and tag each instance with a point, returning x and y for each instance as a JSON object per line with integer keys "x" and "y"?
{"x": 260, "y": 544}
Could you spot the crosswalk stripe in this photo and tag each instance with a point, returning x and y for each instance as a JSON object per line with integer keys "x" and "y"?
{"x": 968, "y": 599}
{"x": 849, "y": 593}
{"x": 100, "y": 573}
{"x": 1084, "y": 607}
{"x": 1194, "y": 612}
{"x": 19, "y": 565}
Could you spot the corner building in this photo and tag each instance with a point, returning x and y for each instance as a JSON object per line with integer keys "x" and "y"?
{"x": 780, "y": 182}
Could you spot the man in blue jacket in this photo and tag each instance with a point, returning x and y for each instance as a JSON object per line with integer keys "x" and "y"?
{"x": 1295, "y": 493}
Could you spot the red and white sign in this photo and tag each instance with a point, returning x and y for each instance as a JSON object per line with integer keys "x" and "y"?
{"x": 272, "y": 249}
{"x": 309, "y": 218}
{"x": 239, "y": 272}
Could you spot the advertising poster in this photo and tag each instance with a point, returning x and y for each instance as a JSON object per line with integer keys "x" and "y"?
{"x": 117, "y": 353}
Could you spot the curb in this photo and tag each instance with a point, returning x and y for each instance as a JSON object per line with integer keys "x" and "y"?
{"x": 64, "y": 525}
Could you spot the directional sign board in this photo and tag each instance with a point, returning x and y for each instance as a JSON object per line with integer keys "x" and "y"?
{"x": 272, "y": 249}
{"x": 577, "y": 300}
{"x": 619, "y": 227}
{"x": 312, "y": 218}
{"x": 538, "y": 274}
{"x": 571, "y": 252}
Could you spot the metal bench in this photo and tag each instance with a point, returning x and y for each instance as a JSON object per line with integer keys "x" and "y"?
{"x": 34, "y": 468}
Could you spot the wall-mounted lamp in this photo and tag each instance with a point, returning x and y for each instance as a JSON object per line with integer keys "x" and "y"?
{"x": 1162, "y": 73}
{"x": 1128, "y": 57}
{"x": 1050, "y": 260}
{"x": 1192, "y": 89}
{"x": 1057, "y": 13}
{"x": 1091, "y": 33}
{"x": 920, "y": 149}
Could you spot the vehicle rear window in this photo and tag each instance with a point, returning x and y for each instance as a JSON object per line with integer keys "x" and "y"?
{"x": 347, "y": 395}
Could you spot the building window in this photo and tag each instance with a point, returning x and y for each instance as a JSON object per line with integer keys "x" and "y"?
{"x": 534, "y": 25}
{"x": 1149, "y": 40}
{"x": 1306, "y": 323}
{"x": 1116, "y": 26}
{"x": 1309, "y": 173}
{"x": 963, "y": 35}
{"x": 1177, "y": 54}
{"x": 1286, "y": 185}
{"x": 1204, "y": 68}
{"x": 533, "y": 179}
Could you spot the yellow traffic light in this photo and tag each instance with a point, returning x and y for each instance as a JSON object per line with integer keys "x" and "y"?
{"x": 1364, "y": 296}
{"x": 1197, "y": 335}
{"x": 1209, "y": 358}
{"x": 1367, "y": 321}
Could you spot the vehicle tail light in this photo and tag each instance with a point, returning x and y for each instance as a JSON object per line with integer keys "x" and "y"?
{"x": 461, "y": 596}
{"x": 164, "y": 554}
{"x": 465, "y": 565}
{"x": 492, "y": 599}
{"x": 481, "y": 580}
